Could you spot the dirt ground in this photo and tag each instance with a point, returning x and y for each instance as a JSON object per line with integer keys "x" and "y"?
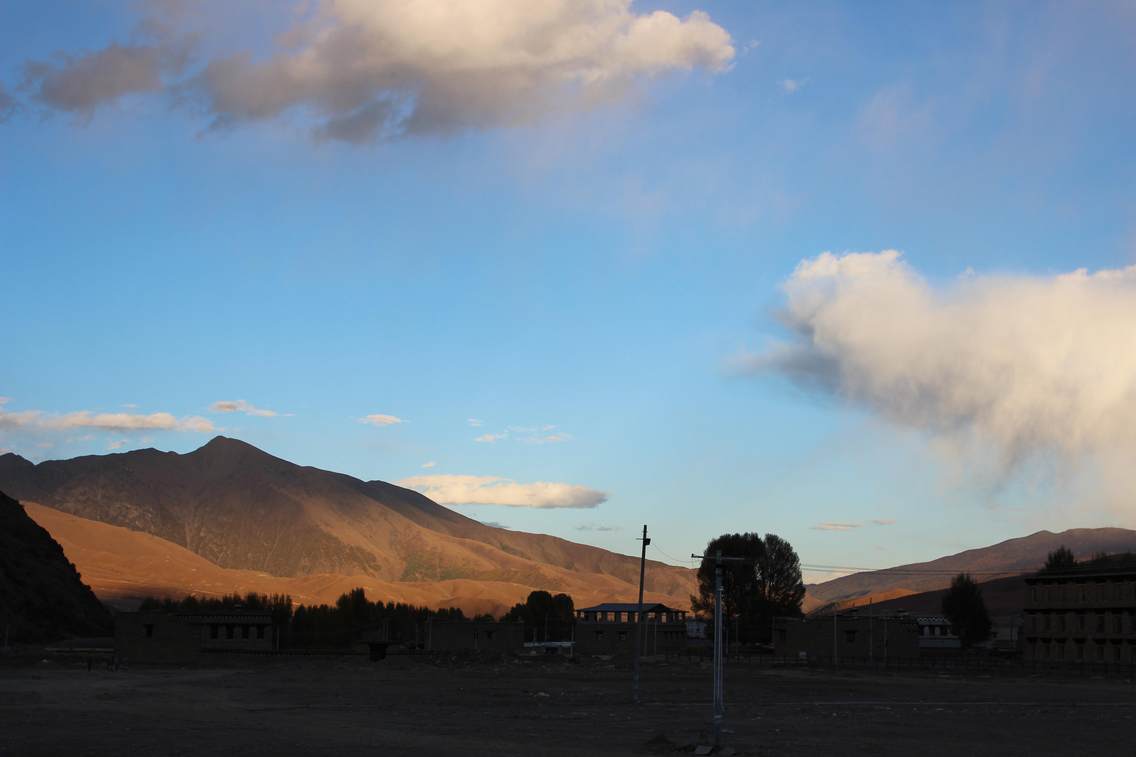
{"x": 350, "y": 706}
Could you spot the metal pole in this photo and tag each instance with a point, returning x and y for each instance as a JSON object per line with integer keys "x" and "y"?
{"x": 719, "y": 632}
{"x": 639, "y": 620}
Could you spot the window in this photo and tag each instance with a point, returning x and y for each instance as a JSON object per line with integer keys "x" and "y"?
{"x": 1080, "y": 621}
{"x": 1117, "y": 626}
{"x": 230, "y": 631}
{"x": 599, "y": 635}
{"x": 260, "y": 632}
{"x": 149, "y": 629}
{"x": 214, "y": 630}
{"x": 623, "y": 635}
{"x": 1100, "y": 622}
{"x": 1080, "y": 653}
{"x": 1061, "y": 621}
{"x": 489, "y": 634}
{"x": 850, "y": 637}
{"x": 1100, "y": 650}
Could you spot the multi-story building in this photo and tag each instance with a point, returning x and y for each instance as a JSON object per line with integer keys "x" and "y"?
{"x": 1084, "y": 614}
{"x": 609, "y": 629}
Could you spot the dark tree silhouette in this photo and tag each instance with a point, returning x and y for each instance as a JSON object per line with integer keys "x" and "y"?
{"x": 965, "y": 608}
{"x": 1060, "y": 559}
{"x": 546, "y": 618}
{"x": 767, "y": 585}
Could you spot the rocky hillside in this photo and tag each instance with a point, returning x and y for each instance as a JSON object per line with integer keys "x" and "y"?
{"x": 41, "y": 595}
{"x": 241, "y": 509}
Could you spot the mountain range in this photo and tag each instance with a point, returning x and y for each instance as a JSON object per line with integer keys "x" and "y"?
{"x": 1012, "y": 557}
{"x": 229, "y": 516}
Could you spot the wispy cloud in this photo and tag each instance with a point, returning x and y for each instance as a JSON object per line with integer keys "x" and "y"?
{"x": 105, "y": 421}
{"x": 381, "y": 419}
{"x": 597, "y": 527}
{"x": 491, "y": 438}
{"x": 430, "y": 464}
{"x": 883, "y": 522}
{"x": 495, "y": 490}
{"x": 241, "y": 406}
{"x": 792, "y": 86}
{"x": 474, "y": 422}
{"x": 116, "y": 444}
{"x": 831, "y": 526}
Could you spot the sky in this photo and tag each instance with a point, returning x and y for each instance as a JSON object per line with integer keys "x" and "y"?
{"x": 855, "y": 274}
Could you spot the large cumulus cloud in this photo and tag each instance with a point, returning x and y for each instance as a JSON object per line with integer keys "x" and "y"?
{"x": 1025, "y": 366}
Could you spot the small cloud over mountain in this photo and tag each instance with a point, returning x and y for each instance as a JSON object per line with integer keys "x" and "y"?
{"x": 241, "y": 406}
{"x": 449, "y": 489}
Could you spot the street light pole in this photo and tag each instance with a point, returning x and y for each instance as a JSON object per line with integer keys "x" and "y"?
{"x": 719, "y": 696}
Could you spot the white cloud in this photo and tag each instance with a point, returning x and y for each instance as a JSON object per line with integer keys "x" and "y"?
{"x": 241, "y": 406}
{"x": 430, "y": 464}
{"x": 106, "y": 421}
{"x": 792, "y": 86}
{"x": 1017, "y": 366}
{"x": 494, "y": 490}
{"x": 830, "y": 526}
{"x": 381, "y": 419}
{"x": 359, "y": 70}
{"x": 5, "y": 400}
{"x": 474, "y": 422}
{"x": 883, "y": 522}
{"x": 490, "y": 438}
{"x": 116, "y": 444}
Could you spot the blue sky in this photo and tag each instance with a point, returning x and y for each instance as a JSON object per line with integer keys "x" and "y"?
{"x": 602, "y": 273}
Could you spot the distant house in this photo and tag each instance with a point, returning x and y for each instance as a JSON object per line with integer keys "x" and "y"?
{"x": 609, "y": 629}
{"x": 181, "y": 637}
{"x": 850, "y": 637}
{"x": 1086, "y": 614}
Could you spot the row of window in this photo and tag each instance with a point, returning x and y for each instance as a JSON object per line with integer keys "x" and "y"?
{"x": 601, "y": 634}
{"x": 1083, "y": 592}
{"x": 236, "y": 630}
{"x": 1098, "y": 622}
{"x": 1080, "y": 651}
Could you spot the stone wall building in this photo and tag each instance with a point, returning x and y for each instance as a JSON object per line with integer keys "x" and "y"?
{"x": 179, "y": 637}
{"x": 1085, "y": 614}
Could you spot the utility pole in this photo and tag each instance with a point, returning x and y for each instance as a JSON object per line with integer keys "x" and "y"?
{"x": 639, "y": 620}
{"x": 871, "y": 635}
{"x": 719, "y": 652}
{"x": 835, "y": 652}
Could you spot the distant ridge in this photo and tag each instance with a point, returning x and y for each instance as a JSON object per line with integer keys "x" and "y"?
{"x": 241, "y": 509}
{"x": 1008, "y": 558}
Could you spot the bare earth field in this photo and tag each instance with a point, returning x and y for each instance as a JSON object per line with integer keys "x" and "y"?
{"x": 349, "y": 706}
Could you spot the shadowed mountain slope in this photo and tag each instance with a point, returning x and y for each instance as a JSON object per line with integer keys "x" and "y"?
{"x": 242, "y": 509}
{"x": 1008, "y": 558}
{"x": 41, "y": 595}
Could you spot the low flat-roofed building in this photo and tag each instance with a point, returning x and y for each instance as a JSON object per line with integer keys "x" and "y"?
{"x": 177, "y": 637}
{"x": 846, "y": 637}
{"x": 474, "y": 636}
{"x": 1083, "y": 614}
{"x": 936, "y": 634}
{"x": 609, "y": 629}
